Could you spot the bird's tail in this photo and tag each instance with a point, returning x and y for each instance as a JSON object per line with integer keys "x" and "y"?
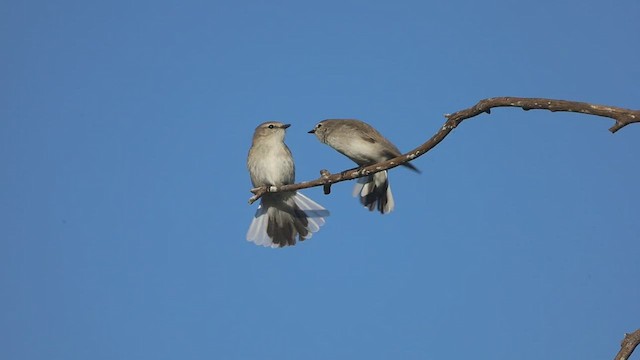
{"x": 283, "y": 217}
{"x": 375, "y": 192}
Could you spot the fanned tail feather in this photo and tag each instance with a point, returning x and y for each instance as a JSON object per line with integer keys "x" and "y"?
{"x": 258, "y": 229}
{"x": 280, "y": 220}
{"x": 315, "y": 212}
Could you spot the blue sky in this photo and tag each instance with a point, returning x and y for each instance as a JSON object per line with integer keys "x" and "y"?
{"x": 124, "y": 130}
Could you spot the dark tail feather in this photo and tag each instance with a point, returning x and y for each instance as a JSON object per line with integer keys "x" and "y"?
{"x": 391, "y": 155}
{"x": 375, "y": 192}
{"x": 280, "y": 229}
{"x": 410, "y": 166}
{"x": 377, "y": 198}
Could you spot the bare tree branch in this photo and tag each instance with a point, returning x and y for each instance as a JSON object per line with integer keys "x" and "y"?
{"x": 628, "y": 344}
{"x": 622, "y": 117}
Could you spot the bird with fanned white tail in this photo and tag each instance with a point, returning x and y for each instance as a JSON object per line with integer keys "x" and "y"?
{"x": 282, "y": 217}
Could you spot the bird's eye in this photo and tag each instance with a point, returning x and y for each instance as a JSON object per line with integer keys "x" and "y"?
{"x": 318, "y": 126}
{"x": 270, "y": 126}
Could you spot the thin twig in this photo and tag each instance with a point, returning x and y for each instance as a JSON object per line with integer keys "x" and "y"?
{"x": 622, "y": 117}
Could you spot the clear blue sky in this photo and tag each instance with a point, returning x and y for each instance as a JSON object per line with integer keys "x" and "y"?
{"x": 124, "y": 130}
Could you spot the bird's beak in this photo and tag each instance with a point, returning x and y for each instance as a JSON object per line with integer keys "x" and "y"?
{"x": 286, "y": 126}
{"x": 312, "y": 131}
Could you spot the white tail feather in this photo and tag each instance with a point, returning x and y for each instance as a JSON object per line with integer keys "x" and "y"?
{"x": 315, "y": 212}
{"x": 358, "y": 188}
{"x": 258, "y": 229}
{"x": 390, "y": 203}
{"x": 257, "y": 232}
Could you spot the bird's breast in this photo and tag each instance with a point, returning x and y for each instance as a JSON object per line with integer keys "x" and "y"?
{"x": 271, "y": 165}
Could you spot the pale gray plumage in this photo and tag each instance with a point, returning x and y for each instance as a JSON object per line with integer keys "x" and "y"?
{"x": 364, "y": 145}
{"x": 284, "y": 216}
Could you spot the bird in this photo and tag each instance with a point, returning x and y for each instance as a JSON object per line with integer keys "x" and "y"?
{"x": 281, "y": 217}
{"x": 365, "y": 146}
